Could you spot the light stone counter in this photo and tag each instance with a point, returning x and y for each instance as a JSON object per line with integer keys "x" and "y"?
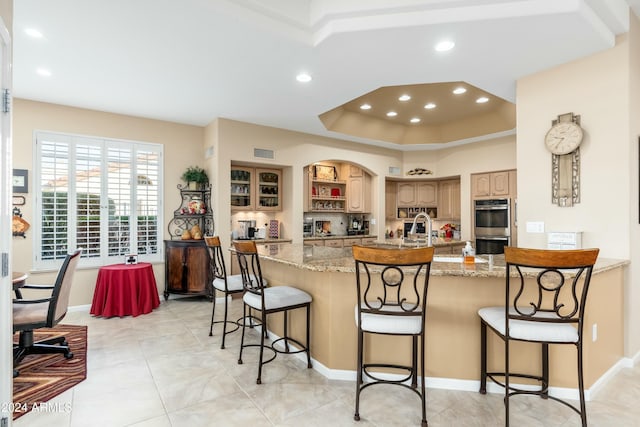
{"x": 323, "y": 258}
{"x": 455, "y": 294}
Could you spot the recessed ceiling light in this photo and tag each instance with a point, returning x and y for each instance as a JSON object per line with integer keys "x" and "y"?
{"x": 444, "y": 45}
{"x": 43, "y": 72}
{"x": 365, "y": 107}
{"x": 33, "y": 33}
{"x": 482, "y": 100}
{"x": 392, "y": 114}
{"x": 459, "y": 90}
{"x": 430, "y": 106}
{"x": 303, "y": 78}
{"x": 404, "y": 97}
{"x": 415, "y": 120}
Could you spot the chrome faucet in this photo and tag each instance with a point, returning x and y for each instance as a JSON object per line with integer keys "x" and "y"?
{"x": 429, "y": 226}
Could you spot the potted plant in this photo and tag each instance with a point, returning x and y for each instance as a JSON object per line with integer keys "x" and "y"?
{"x": 196, "y": 177}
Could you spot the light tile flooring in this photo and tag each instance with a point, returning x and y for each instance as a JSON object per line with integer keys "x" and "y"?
{"x": 163, "y": 369}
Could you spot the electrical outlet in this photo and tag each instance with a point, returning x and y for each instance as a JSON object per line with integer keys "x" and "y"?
{"x": 373, "y": 221}
{"x": 594, "y": 332}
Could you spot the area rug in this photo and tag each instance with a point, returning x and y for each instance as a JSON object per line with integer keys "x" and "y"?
{"x": 44, "y": 376}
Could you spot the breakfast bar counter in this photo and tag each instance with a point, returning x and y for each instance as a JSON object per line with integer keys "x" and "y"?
{"x": 456, "y": 292}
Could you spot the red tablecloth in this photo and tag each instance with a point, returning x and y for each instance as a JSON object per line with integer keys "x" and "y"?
{"x": 123, "y": 290}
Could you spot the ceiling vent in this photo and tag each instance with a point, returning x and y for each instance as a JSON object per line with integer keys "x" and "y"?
{"x": 394, "y": 170}
{"x": 264, "y": 154}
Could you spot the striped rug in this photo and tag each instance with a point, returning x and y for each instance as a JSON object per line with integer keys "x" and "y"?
{"x": 44, "y": 376}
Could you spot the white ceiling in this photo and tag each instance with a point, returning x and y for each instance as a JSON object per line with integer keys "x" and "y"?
{"x": 191, "y": 61}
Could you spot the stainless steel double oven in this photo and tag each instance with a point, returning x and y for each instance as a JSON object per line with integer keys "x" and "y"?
{"x": 492, "y": 225}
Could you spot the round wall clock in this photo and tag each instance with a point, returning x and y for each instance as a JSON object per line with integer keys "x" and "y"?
{"x": 563, "y": 138}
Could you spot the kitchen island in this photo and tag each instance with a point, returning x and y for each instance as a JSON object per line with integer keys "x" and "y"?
{"x": 456, "y": 292}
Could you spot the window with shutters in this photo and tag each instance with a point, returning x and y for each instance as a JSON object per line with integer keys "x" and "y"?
{"x": 98, "y": 194}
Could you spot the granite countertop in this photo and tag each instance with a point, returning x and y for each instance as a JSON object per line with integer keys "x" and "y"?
{"x": 341, "y": 236}
{"x": 322, "y": 258}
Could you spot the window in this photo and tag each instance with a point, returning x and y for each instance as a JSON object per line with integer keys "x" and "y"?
{"x": 98, "y": 194}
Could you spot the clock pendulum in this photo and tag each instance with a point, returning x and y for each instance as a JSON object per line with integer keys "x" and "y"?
{"x": 563, "y": 141}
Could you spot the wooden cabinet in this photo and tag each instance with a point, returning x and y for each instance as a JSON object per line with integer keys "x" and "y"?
{"x": 255, "y": 189}
{"x": 390, "y": 196}
{"x": 358, "y": 191}
{"x": 449, "y": 199}
{"x": 413, "y": 194}
{"x": 334, "y": 243}
{"x": 451, "y": 249}
{"x": 492, "y": 184}
{"x": 187, "y": 269}
{"x": 314, "y": 242}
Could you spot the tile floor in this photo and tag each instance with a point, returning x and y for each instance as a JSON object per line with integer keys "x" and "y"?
{"x": 163, "y": 369}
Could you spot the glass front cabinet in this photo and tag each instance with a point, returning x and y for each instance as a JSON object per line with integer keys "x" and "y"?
{"x": 255, "y": 189}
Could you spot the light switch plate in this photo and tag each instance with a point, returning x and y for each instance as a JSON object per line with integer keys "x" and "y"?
{"x": 535, "y": 227}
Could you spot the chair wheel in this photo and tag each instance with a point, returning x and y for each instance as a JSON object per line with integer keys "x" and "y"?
{"x": 68, "y": 355}
{"x": 356, "y": 417}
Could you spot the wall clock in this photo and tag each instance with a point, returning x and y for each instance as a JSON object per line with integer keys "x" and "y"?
{"x": 563, "y": 141}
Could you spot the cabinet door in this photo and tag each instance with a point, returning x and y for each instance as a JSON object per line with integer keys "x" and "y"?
{"x": 426, "y": 194}
{"x": 242, "y": 188}
{"x": 187, "y": 267}
{"x": 449, "y": 199}
{"x": 481, "y": 185}
{"x": 268, "y": 189}
{"x": 390, "y": 194}
{"x": 406, "y": 194}
{"x": 355, "y": 194}
{"x": 500, "y": 183}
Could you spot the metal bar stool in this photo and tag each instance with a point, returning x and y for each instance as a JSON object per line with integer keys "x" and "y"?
{"x": 268, "y": 300}
{"x": 545, "y": 297}
{"x": 392, "y": 293}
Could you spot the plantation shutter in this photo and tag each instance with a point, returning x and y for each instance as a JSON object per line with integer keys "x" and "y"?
{"x": 97, "y": 194}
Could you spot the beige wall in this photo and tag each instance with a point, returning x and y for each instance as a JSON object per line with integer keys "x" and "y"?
{"x": 603, "y": 89}
{"x": 182, "y": 147}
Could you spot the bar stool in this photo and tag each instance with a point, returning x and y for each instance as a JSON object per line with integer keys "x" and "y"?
{"x": 268, "y": 300}
{"x": 392, "y": 294}
{"x": 228, "y": 285}
{"x": 546, "y": 294}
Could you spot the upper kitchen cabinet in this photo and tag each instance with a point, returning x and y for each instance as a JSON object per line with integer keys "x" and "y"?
{"x": 255, "y": 189}
{"x": 358, "y": 190}
{"x": 449, "y": 199}
{"x": 323, "y": 190}
{"x": 390, "y": 195}
{"x": 493, "y": 184}
{"x": 417, "y": 194}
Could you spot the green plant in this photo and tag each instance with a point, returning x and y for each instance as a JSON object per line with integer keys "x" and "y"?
{"x": 195, "y": 174}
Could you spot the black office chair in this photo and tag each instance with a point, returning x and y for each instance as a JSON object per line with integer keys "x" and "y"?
{"x": 392, "y": 300}
{"x": 268, "y": 300}
{"x": 546, "y": 295}
{"x": 46, "y": 312}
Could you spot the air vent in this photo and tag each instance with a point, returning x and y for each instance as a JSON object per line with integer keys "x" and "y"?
{"x": 393, "y": 170}
{"x": 262, "y": 153}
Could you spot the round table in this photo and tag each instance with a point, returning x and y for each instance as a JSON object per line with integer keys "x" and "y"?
{"x": 125, "y": 289}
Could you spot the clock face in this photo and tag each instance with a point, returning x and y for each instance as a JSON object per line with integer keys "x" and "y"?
{"x": 563, "y": 138}
{"x": 18, "y": 181}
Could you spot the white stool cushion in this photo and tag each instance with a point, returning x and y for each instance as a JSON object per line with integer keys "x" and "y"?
{"x": 233, "y": 282}
{"x": 390, "y": 324}
{"x": 277, "y": 297}
{"x": 529, "y": 330}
